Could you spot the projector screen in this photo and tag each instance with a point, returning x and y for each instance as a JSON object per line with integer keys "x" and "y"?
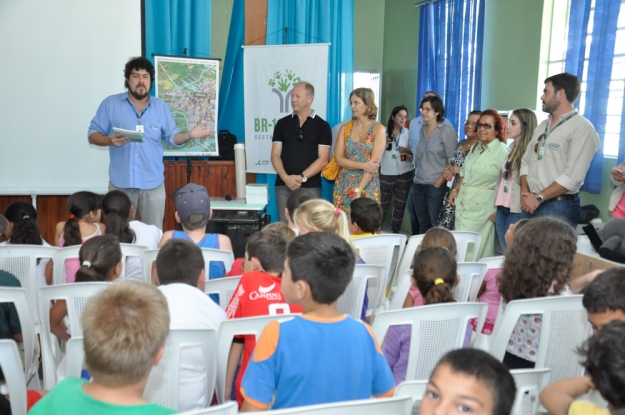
{"x": 60, "y": 59}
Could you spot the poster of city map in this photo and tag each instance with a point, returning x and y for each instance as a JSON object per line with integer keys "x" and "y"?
{"x": 189, "y": 87}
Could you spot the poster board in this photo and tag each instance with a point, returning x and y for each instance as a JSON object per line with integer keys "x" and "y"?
{"x": 189, "y": 87}
{"x": 269, "y": 74}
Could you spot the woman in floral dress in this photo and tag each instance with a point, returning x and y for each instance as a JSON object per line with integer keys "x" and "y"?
{"x": 359, "y": 147}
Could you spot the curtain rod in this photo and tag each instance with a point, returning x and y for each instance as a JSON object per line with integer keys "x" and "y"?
{"x": 424, "y": 2}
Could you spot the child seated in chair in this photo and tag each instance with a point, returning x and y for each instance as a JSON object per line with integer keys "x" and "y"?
{"x": 604, "y": 361}
{"x": 180, "y": 276}
{"x": 124, "y": 328}
{"x": 259, "y": 293}
{"x": 322, "y": 356}
{"x": 469, "y": 381}
{"x": 296, "y": 198}
{"x": 365, "y": 218}
{"x": 193, "y": 212}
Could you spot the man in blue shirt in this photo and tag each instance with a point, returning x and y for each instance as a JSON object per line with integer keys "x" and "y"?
{"x": 414, "y": 129}
{"x": 137, "y": 168}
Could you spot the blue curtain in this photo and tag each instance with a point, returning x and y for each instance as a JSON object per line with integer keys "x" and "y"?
{"x": 173, "y": 25}
{"x": 317, "y": 21}
{"x": 451, "y": 36}
{"x": 599, "y": 71}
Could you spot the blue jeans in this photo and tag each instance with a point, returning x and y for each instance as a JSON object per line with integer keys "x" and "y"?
{"x": 428, "y": 201}
{"x": 505, "y": 218}
{"x": 414, "y": 221}
{"x": 565, "y": 209}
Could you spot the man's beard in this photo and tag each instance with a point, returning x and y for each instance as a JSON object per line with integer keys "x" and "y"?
{"x": 140, "y": 96}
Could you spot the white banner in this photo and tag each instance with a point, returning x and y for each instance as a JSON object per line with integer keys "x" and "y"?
{"x": 270, "y": 72}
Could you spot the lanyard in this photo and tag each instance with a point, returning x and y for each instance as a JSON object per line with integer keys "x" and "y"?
{"x": 541, "y": 152}
{"x": 136, "y": 113}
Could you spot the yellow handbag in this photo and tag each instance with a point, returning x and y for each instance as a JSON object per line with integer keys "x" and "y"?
{"x": 331, "y": 170}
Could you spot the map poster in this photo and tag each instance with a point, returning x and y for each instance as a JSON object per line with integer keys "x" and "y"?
{"x": 189, "y": 87}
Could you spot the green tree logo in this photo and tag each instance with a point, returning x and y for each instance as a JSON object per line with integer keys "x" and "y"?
{"x": 282, "y": 86}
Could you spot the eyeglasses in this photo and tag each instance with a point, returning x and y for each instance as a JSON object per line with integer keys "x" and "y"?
{"x": 300, "y": 133}
{"x": 486, "y": 126}
{"x": 426, "y": 109}
{"x": 536, "y": 147}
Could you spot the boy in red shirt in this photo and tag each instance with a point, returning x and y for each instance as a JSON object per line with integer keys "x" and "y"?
{"x": 259, "y": 293}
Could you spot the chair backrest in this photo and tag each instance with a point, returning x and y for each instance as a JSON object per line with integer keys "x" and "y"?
{"x": 130, "y": 250}
{"x": 228, "y": 408}
{"x": 20, "y": 299}
{"x": 405, "y": 263}
{"x": 435, "y": 330}
{"x": 60, "y": 255}
{"x": 147, "y": 261}
{"x": 75, "y": 296}
{"x": 471, "y": 275}
{"x": 493, "y": 262}
{"x": 564, "y": 328}
{"x": 224, "y": 287}
{"x": 463, "y": 240}
{"x": 14, "y": 376}
{"x": 352, "y": 300}
{"x": 529, "y": 384}
{"x": 385, "y": 406}
{"x": 398, "y": 297}
{"x": 377, "y": 274}
{"x": 217, "y": 255}
{"x": 414, "y": 389}
{"x": 164, "y": 380}
{"x": 379, "y": 250}
{"x": 21, "y": 261}
{"x": 227, "y": 330}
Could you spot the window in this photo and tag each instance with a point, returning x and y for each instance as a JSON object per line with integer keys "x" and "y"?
{"x": 557, "y": 55}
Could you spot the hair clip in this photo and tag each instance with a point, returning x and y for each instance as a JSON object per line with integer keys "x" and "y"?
{"x": 72, "y": 216}
{"x": 26, "y": 217}
{"x": 439, "y": 281}
{"x": 337, "y": 212}
{"x": 86, "y": 264}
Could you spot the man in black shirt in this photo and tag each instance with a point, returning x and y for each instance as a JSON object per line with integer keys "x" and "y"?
{"x": 301, "y": 147}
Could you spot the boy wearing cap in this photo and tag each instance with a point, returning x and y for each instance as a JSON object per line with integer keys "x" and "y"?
{"x": 193, "y": 212}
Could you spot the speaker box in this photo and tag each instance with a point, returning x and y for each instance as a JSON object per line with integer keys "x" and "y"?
{"x": 238, "y": 227}
{"x": 226, "y": 142}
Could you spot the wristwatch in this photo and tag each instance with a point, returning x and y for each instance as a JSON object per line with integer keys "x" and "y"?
{"x": 539, "y": 198}
{"x": 304, "y": 179}
{"x": 357, "y": 190}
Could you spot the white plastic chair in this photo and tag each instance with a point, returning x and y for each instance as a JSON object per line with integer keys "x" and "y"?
{"x": 21, "y": 261}
{"x": 379, "y": 250}
{"x": 228, "y": 408}
{"x": 382, "y": 406}
{"x": 224, "y": 287}
{"x": 471, "y": 275}
{"x": 398, "y": 297}
{"x": 414, "y": 389}
{"x": 147, "y": 260}
{"x": 435, "y": 330}
{"x": 217, "y": 255}
{"x": 76, "y": 296}
{"x": 130, "y": 250}
{"x": 377, "y": 274}
{"x": 564, "y": 328}
{"x": 529, "y": 384}
{"x": 493, "y": 262}
{"x": 227, "y": 330}
{"x": 463, "y": 239}
{"x": 405, "y": 263}
{"x": 14, "y": 375}
{"x": 352, "y": 300}
{"x": 60, "y": 255}
{"x": 19, "y": 298}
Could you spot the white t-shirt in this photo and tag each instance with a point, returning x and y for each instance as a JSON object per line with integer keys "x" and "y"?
{"x": 146, "y": 235}
{"x": 190, "y": 308}
{"x": 41, "y": 266}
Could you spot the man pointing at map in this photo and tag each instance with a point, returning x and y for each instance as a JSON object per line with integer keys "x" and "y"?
{"x": 136, "y": 166}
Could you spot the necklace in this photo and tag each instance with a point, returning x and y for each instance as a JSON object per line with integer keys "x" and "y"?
{"x": 362, "y": 128}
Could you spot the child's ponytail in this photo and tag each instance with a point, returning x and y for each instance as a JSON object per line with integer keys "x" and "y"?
{"x": 98, "y": 257}
{"x": 79, "y": 205}
{"x": 116, "y": 207}
{"x": 434, "y": 272}
{"x": 25, "y": 229}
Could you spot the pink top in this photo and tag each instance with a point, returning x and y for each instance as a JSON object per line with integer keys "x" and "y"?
{"x": 619, "y": 210}
{"x": 417, "y": 298}
{"x": 492, "y": 297}
{"x": 504, "y": 191}
{"x": 72, "y": 265}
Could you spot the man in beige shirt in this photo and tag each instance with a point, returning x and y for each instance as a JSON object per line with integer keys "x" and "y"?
{"x": 558, "y": 156}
